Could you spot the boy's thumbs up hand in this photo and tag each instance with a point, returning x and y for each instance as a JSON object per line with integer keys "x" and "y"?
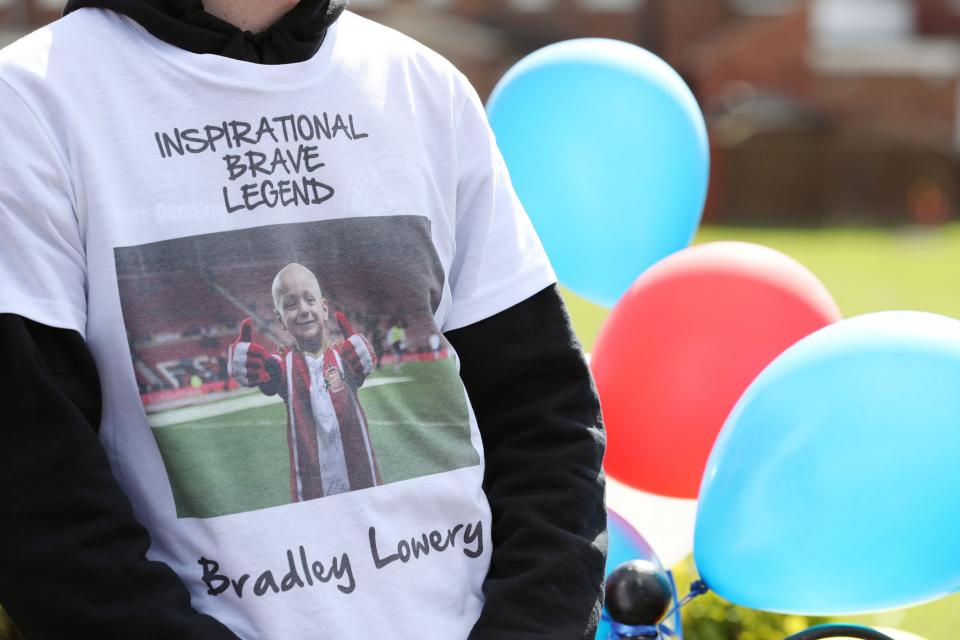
{"x": 345, "y": 327}
{"x": 246, "y": 330}
{"x": 356, "y": 353}
{"x": 248, "y": 362}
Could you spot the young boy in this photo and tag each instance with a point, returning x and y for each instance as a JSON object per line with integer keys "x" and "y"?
{"x": 330, "y": 450}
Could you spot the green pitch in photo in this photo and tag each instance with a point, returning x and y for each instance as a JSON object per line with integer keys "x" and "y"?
{"x": 231, "y": 454}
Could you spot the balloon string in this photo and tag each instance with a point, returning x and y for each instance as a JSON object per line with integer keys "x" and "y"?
{"x": 697, "y": 589}
{"x": 652, "y": 631}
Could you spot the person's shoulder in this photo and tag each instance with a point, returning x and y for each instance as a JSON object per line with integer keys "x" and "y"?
{"x": 378, "y": 43}
{"x": 73, "y": 32}
{"x": 69, "y": 41}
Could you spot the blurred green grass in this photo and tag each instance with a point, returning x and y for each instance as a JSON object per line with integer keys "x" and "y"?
{"x": 866, "y": 269}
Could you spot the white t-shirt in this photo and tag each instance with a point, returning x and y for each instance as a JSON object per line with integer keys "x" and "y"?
{"x": 149, "y": 198}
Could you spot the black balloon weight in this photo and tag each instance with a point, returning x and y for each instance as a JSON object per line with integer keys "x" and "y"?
{"x": 638, "y": 593}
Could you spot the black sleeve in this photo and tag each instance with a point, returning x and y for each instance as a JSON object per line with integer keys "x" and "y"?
{"x": 72, "y": 558}
{"x": 543, "y": 440}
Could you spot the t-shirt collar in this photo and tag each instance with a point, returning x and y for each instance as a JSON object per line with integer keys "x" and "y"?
{"x": 185, "y": 24}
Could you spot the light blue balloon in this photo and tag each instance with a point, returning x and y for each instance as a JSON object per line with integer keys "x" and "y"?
{"x": 834, "y": 487}
{"x": 607, "y": 150}
{"x": 624, "y": 543}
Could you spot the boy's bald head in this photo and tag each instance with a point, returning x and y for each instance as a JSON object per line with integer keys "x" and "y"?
{"x": 300, "y": 305}
{"x": 288, "y": 278}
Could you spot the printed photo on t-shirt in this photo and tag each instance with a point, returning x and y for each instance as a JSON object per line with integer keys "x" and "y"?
{"x": 293, "y": 362}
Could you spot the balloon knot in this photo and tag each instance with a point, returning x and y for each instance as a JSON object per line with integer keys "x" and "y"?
{"x": 698, "y": 588}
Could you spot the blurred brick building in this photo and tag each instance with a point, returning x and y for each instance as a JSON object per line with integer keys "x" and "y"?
{"x": 829, "y": 110}
{"x": 819, "y": 110}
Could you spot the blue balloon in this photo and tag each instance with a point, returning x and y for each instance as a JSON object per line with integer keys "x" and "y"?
{"x": 607, "y": 150}
{"x": 625, "y": 544}
{"x": 833, "y": 487}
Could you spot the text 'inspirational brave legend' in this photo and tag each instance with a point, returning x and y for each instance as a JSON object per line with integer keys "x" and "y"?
{"x": 281, "y": 175}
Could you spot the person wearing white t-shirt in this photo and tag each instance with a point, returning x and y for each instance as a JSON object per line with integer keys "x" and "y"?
{"x": 96, "y": 159}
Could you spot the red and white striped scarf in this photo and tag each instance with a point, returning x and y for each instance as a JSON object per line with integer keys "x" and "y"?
{"x": 306, "y": 482}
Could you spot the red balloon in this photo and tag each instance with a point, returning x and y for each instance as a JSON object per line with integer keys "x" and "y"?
{"x": 684, "y": 343}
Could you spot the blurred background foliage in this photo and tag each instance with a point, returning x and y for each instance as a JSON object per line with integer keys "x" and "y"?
{"x": 709, "y": 617}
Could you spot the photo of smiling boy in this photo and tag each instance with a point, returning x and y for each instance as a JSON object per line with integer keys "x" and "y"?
{"x": 327, "y": 433}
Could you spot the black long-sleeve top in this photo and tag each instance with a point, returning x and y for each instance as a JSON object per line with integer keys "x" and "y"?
{"x": 543, "y": 480}
{"x": 72, "y": 557}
